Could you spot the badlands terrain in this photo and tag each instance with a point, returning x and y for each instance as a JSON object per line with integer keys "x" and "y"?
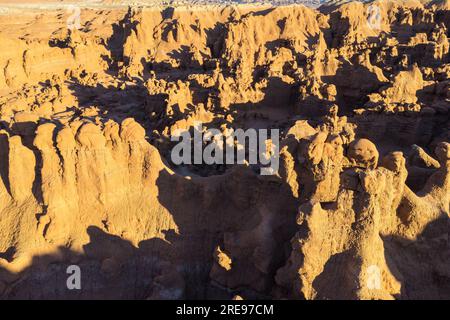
{"x": 359, "y": 208}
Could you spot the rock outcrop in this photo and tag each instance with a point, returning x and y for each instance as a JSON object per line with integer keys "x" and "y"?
{"x": 359, "y": 208}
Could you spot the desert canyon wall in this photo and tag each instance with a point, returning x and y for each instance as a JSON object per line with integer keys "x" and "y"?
{"x": 363, "y": 187}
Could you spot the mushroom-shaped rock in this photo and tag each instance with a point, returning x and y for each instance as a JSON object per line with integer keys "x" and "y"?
{"x": 363, "y": 153}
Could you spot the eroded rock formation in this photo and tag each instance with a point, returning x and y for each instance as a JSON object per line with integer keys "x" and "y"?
{"x": 359, "y": 208}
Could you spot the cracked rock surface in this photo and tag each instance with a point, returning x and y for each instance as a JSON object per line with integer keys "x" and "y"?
{"x": 359, "y": 208}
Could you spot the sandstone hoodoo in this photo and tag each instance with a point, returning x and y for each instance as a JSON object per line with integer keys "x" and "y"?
{"x": 338, "y": 116}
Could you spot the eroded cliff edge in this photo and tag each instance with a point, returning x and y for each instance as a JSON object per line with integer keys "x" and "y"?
{"x": 363, "y": 187}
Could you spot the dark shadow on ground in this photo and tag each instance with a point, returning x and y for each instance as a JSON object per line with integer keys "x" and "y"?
{"x": 424, "y": 264}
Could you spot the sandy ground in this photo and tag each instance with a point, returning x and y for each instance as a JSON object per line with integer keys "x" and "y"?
{"x": 87, "y": 117}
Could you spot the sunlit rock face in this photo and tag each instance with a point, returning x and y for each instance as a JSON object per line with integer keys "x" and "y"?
{"x": 357, "y": 209}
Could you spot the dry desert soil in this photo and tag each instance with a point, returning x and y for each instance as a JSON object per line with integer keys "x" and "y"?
{"x": 93, "y": 92}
